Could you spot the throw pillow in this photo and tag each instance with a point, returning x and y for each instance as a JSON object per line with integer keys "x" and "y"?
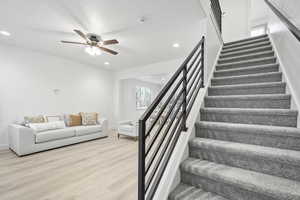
{"x": 89, "y": 118}
{"x": 53, "y": 118}
{"x": 75, "y": 120}
{"x": 34, "y": 119}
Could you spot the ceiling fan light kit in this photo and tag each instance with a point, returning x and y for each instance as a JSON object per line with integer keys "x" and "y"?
{"x": 93, "y": 51}
{"x": 95, "y": 44}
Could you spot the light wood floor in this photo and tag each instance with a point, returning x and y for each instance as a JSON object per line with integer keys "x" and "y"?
{"x": 104, "y": 169}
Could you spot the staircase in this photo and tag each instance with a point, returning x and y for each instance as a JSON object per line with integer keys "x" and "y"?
{"x": 247, "y": 146}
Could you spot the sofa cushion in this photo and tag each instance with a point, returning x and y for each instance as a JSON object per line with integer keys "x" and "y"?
{"x": 85, "y": 130}
{"x": 54, "y": 135}
{"x": 47, "y": 126}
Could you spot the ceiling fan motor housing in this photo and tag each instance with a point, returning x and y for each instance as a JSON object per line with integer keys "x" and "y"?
{"x": 94, "y": 37}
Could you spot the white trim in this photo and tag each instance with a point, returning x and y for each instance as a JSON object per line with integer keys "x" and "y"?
{"x": 4, "y": 146}
{"x": 170, "y": 178}
{"x": 295, "y": 104}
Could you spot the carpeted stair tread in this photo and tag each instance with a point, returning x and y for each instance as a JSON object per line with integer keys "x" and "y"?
{"x": 274, "y": 161}
{"x": 245, "y": 43}
{"x": 251, "y": 78}
{"x": 246, "y": 57}
{"x": 188, "y": 192}
{"x": 248, "y": 89}
{"x": 246, "y": 181}
{"x": 252, "y": 129}
{"x": 246, "y": 52}
{"x": 270, "y": 136}
{"x": 246, "y": 39}
{"x": 246, "y": 47}
{"x": 272, "y": 117}
{"x": 247, "y": 63}
{"x": 275, "y": 101}
{"x": 247, "y": 70}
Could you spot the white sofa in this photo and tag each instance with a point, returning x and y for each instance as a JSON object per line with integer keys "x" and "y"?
{"x": 128, "y": 128}
{"x": 24, "y": 140}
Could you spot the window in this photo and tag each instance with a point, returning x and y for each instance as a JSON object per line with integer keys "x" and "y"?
{"x": 259, "y": 30}
{"x": 143, "y": 98}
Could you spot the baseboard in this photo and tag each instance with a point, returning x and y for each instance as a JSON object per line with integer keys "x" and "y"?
{"x": 4, "y": 146}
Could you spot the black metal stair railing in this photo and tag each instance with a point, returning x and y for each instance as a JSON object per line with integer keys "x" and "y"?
{"x": 160, "y": 126}
{"x": 217, "y": 11}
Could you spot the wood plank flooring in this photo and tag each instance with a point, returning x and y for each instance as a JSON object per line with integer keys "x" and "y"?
{"x": 104, "y": 169}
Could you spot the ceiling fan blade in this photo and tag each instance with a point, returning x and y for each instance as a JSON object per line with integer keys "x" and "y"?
{"x": 108, "y": 42}
{"x": 69, "y": 42}
{"x": 107, "y": 50}
{"x": 81, "y": 34}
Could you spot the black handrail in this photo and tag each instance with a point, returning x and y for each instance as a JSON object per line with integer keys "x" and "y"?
{"x": 176, "y": 100}
{"x": 294, "y": 29}
{"x": 217, "y": 11}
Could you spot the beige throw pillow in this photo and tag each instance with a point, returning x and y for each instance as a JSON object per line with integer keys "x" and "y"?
{"x": 89, "y": 118}
{"x": 34, "y": 119}
{"x": 75, "y": 120}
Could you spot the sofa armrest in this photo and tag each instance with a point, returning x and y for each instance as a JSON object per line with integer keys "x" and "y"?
{"x": 20, "y": 138}
{"x": 104, "y": 124}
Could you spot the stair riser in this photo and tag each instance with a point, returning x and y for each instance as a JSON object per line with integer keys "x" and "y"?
{"x": 226, "y": 190}
{"x": 241, "y": 44}
{"x": 251, "y": 103}
{"x": 248, "y": 91}
{"x": 247, "y": 71}
{"x": 242, "y": 53}
{"x": 250, "y": 47}
{"x": 256, "y": 138}
{"x": 246, "y": 64}
{"x": 249, "y": 118}
{"x": 262, "y": 55}
{"x": 256, "y": 163}
{"x": 246, "y": 40}
{"x": 245, "y": 80}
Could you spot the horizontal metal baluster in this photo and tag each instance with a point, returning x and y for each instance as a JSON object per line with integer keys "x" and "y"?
{"x": 151, "y": 142}
{"x": 194, "y": 78}
{"x": 153, "y": 155}
{"x": 194, "y": 87}
{"x": 149, "y": 180}
{"x": 163, "y": 108}
{"x": 191, "y": 65}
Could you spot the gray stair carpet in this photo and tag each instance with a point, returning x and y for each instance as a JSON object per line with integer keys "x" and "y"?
{"x": 247, "y": 144}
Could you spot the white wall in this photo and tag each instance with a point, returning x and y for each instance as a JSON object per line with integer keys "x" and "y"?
{"x": 166, "y": 67}
{"x": 290, "y": 9}
{"x": 27, "y": 80}
{"x": 288, "y": 50}
{"x": 127, "y": 99}
{"x": 236, "y": 19}
{"x": 213, "y": 39}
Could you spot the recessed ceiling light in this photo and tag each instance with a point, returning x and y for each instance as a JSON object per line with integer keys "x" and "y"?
{"x": 106, "y": 63}
{"x": 5, "y": 33}
{"x": 176, "y": 45}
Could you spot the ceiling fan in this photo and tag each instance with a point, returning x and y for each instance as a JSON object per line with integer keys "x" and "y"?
{"x": 95, "y": 44}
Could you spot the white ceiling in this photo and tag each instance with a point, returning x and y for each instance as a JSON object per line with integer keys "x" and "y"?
{"x": 41, "y": 24}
